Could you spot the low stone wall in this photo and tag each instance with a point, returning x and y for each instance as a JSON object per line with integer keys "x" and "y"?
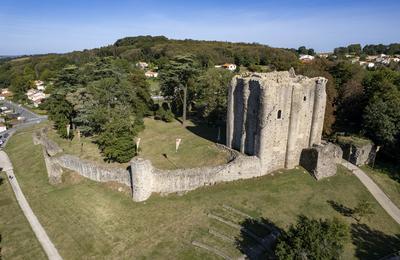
{"x": 93, "y": 170}
{"x": 146, "y": 179}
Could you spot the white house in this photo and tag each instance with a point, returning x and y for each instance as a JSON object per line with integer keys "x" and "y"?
{"x": 142, "y": 65}
{"x": 371, "y": 65}
{"x": 151, "y": 74}
{"x": 306, "y": 58}
{"x": 31, "y": 92}
{"x": 229, "y": 66}
{"x": 2, "y": 128}
{"x": 396, "y": 59}
{"x": 2, "y": 98}
{"x": 5, "y": 92}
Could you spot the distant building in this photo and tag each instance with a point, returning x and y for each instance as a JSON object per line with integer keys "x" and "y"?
{"x": 2, "y": 98}
{"x": 5, "y": 92}
{"x": 324, "y": 55}
{"x": 396, "y": 59}
{"x": 371, "y": 65}
{"x": 229, "y": 66}
{"x": 306, "y": 58}
{"x": 3, "y": 128}
{"x": 142, "y": 65}
{"x": 151, "y": 74}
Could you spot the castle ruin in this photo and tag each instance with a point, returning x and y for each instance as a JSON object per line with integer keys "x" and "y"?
{"x": 274, "y": 121}
{"x": 274, "y": 116}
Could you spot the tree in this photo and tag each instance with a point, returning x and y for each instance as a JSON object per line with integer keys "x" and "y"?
{"x": 116, "y": 141}
{"x": 211, "y": 94}
{"x": 313, "y": 239}
{"x": 382, "y": 117}
{"x": 354, "y": 49}
{"x": 60, "y": 111}
{"x": 175, "y": 79}
{"x": 363, "y": 209}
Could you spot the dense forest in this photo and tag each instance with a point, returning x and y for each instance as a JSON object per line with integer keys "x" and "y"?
{"x": 102, "y": 93}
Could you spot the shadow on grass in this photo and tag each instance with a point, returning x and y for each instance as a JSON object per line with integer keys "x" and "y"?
{"x": 342, "y": 209}
{"x": 214, "y": 134}
{"x": 257, "y": 238}
{"x": 390, "y": 168}
{"x": 373, "y": 244}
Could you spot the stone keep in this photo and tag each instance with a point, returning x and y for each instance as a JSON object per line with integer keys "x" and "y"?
{"x": 274, "y": 116}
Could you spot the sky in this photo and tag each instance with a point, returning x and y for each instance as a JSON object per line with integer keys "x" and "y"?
{"x": 58, "y": 26}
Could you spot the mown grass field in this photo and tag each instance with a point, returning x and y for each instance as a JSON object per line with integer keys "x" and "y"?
{"x": 389, "y": 185}
{"x": 158, "y": 145}
{"x": 17, "y": 238}
{"x": 89, "y": 220}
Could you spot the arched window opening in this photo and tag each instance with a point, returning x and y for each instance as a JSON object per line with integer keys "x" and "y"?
{"x": 279, "y": 114}
{"x": 304, "y": 98}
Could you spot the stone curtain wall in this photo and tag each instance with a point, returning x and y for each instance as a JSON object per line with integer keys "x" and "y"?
{"x": 93, "y": 170}
{"x": 143, "y": 178}
{"x": 146, "y": 179}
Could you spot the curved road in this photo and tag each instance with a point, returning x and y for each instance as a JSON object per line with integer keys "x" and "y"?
{"x": 37, "y": 228}
{"x": 378, "y": 194}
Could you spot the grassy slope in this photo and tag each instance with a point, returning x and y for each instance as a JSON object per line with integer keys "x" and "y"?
{"x": 157, "y": 139}
{"x": 390, "y": 186}
{"x": 89, "y": 220}
{"x": 18, "y": 240}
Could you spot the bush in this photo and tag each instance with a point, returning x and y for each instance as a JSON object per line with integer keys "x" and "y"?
{"x": 165, "y": 115}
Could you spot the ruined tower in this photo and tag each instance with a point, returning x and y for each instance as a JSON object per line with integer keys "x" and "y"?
{"x": 274, "y": 116}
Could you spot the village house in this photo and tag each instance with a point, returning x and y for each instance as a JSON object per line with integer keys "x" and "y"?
{"x": 5, "y": 92}
{"x": 142, "y": 65}
{"x": 306, "y": 58}
{"x": 37, "y": 98}
{"x": 228, "y": 66}
{"x": 40, "y": 85}
{"x": 324, "y": 55}
{"x": 151, "y": 74}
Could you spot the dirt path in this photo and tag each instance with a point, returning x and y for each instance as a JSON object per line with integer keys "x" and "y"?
{"x": 379, "y": 195}
{"x": 37, "y": 228}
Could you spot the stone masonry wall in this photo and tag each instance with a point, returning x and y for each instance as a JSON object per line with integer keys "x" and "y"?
{"x": 143, "y": 178}
{"x": 274, "y": 116}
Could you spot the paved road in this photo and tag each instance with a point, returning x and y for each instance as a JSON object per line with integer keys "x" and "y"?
{"x": 379, "y": 195}
{"x": 30, "y": 119}
{"x": 37, "y": 228}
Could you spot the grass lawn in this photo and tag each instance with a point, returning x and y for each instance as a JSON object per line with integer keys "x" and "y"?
{"x": 90, "y": 220}
{"x": 158, "y": 142}
{"x": 158, "y": 145}
{"x": 17, "y": 238}
{"x": 382, "y": 178}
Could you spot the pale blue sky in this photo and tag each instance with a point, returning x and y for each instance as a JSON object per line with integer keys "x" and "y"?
{"x": 43, "y": 26}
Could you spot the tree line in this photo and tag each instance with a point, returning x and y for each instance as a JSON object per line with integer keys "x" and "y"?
{"x": 370, "y": 49}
